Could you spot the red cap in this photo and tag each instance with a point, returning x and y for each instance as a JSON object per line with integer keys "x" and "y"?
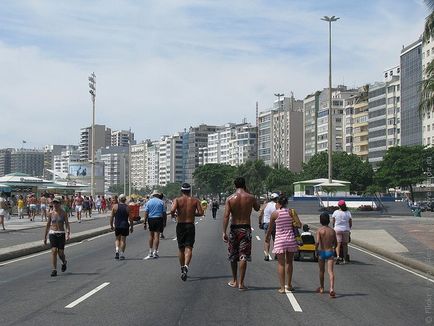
{"x": 341, "y": 202}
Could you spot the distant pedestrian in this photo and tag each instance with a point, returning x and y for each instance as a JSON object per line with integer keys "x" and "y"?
{"x": 78, "y": 205}
{"x": 59, "y": 232}
{"x": 44, "y": 206}
{"x": 32, "y": 206}
{"x": 325, "y": 246}
{"x": 264, "y": 222}
{"x": 98, "y": 204}
{"x": 122, "y": 226}
{"x": 204, "y": 204}
{"x": 103, "y": 204}
{"x": 342, "y": 223}
{"x": 20, "y": 206}
{"x": 239, "y": 207}
{"x": 3, "y": 212}
{"x": 214, "y": 207}
{"x": 285, "y": 245}
{"x": 185, "y": 208}
{"x": 86, "y": 207}
{"x": 154, "y": 215}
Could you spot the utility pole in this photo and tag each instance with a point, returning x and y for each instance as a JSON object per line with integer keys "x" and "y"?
{"x": 92, "y": 91}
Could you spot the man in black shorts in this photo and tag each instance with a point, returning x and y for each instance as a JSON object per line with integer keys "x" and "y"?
{"x": 155, "y": 214}
{"x": 122, "y": 225}
{"x": 186, "y": 208}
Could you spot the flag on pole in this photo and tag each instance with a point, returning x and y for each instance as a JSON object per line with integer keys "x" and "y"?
{"x": 24, "y": 142}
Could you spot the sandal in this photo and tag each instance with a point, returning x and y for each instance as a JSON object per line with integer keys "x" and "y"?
{"x": 332, "y": 294}
{"x": 319, "y": 290}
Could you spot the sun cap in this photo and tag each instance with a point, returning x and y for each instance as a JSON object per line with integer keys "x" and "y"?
{"x": 156, "y": 193}
{"x": 274, "y": 195}
{"x": 57, "y": 199}
{"x": 122, "y": 196}
{"x": 341, "y": 202}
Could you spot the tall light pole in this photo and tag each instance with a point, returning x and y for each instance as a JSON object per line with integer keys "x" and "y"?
{"x": 92, "y": 91}
{"x": 330, "y": 147}
{"x": 279, "y": 95}
{"x": 129, "y": 164}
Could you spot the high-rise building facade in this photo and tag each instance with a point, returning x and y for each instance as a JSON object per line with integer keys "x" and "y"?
{"x": 153, "y": 165}
{"x": 411, "y": 76}
{"x": 62, "y": 161}
{"x": 170, "y": 159}
{"x": 428, "y": 114}
{"x": 102, "y": 140}
{"x": 360, "y": 124}
{"x": 28, "y": 161}
{"x": 139, "y": 166}
{"x": 377, "y": 123}
{"x": 122, "y": 138}
{"x": 310, "y": 126}
{"x": 393, "y": 106}
{"x": 115, "y": 159}
{"x": 5, "y": 161}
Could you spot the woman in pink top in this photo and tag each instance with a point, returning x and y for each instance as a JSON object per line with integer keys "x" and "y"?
{"x": 285, "y": 244}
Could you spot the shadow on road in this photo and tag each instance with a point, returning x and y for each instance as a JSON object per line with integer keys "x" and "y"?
{"x": 73, "y": 274}
{"x": 203, "y": 278}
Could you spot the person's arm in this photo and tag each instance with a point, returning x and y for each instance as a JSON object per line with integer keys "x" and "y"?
{"x": 199, "y": 209}
{"x": 130, "y": 221}
{"x": 270, "y": 229}
{"x": 335, "y": 239}
{"x": 47, "y": 227}
{"x": 67, "y": 226}
{"x": 261, "y": 215}
{"x": 174, "y": 208}
{"x": 226, "y": 215}
{"x": 145, "y": 222}
{"x": 256, "y": 205}
{"x": 112, "y": 216}
{"x": 318, "y": 240}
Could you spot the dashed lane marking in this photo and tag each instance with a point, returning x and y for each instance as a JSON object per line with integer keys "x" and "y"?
{"x": 196, "y": 223}
{"x": 257, "y": 237}
{"x": 174, "y": 239}
{"x": 293, "y": 301}
{"x": 87, "y": 295}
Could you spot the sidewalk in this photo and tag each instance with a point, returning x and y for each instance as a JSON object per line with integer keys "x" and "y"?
{"x": 406, "y": 239}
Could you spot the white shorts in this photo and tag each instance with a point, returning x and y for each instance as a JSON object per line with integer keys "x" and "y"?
{"x": 78, "y": 208}
{"x": 2, "y": 212}
{"x": 43, "y": 207}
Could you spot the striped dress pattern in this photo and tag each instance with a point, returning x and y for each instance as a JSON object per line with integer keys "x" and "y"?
{"x": 285, "y": 238}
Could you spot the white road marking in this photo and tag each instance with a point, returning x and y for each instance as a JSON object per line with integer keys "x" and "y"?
{"x": 35, "y": 255}
{"x": 196, "y": 223}
{"x": 252, "y": 229}
{"x": 293, "y": 301}
{"x": 87, "y": 295}
{"x": 257, "y": 237}
{"x": 174, "y": 239}
{"x": 391, "y": 263}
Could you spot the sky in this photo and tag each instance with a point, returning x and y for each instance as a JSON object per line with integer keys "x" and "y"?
{"x": 164, "y": 66}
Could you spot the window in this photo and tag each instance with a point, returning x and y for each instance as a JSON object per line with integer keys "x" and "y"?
{"x": 428, "y": 128}
{"x": 428, "y": 141}
{"x": 427, "y": 53}
{"x": 423, "y": 55}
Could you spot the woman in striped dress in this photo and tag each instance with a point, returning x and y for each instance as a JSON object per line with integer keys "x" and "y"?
{"x": 285, "y": 244}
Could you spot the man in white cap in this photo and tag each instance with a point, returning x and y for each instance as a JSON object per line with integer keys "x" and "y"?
{"x": 264, "y": 221}
{"x": 155, "y": 213}
{"x": 186, "y": 208}
{"x": 122, "y": 225}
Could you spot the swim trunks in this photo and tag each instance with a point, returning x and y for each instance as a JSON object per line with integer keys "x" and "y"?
{"x": 57, "y": 240}
{"x": 122, "y": 232}
{"x": 240, "y": 243}
{"x": 185, "y": 234}
{"x": 156, "y": 224}
{"x": 326, "y": 254}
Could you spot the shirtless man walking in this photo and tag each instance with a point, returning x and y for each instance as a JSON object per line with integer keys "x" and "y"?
{"x": 186, "y": 208}
{"x": 239, "y": 205}
{"x": 43, "y": 201}
{"x": 78, "y": 204}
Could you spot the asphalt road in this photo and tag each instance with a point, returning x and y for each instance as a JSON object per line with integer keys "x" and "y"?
{"x": 150, "y": 292}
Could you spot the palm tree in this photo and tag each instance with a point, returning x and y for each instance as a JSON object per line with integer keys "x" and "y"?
{"x": 427, "y": 85}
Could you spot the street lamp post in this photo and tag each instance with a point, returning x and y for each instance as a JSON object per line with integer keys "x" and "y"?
{"x": 279, "y": 95}
{"x": 330, "y": 130}
{"x": 92, "y": 91}
{"x": 129, "y": 165}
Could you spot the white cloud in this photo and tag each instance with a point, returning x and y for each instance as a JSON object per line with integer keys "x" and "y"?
{"x": 163, "y": 66}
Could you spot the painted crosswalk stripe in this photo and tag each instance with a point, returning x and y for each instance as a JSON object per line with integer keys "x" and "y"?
{"x": 87, "y": 295}
{"x": 174, "y": 239}
{"x": 257, "y": 237}
{"x": 293, "y": 301}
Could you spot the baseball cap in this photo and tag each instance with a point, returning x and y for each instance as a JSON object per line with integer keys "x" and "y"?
{"x": 185, "y": 186}
{"x": 274, "y": 195}
{"x": 341, "y": 202}
{"x": 57, "y": 200}
{"x": 156, "y": 193}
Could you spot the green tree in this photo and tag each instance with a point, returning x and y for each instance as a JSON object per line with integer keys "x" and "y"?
{"x": 171, "y": 190}
{"x": 255, "y": 173}
{"x": 280, "y": 180}
{"x": 214, "y": 178}
{"x": 404, "y": 166}
{"x": 347, "y": 167}
{"x": 117, "y": 189}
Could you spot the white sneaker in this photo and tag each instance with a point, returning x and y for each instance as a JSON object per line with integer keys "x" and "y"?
{"x": 149, "y": 256}
{"x": 156, "y": 255}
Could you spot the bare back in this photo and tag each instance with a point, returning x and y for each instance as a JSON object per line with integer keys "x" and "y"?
{"x": 239, "y": 206}
{"x": 186, "y": 208}
{"x": 326, "y": 238}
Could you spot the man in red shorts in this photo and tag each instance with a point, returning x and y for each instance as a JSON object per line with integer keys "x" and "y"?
{"x": 239, "y": 205}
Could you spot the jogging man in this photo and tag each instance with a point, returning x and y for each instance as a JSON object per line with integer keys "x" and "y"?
{"x": 239, "y": 205}
{"x": 120, "y": 214}
{"x": 264, "y": 222}
{"x": 186, "y": 208}
{"x": 155, "y": 214}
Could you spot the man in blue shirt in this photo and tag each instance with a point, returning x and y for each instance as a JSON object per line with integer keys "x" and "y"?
{"x": 155, "y": 213}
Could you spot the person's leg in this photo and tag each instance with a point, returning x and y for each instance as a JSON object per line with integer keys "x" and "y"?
{"x": 243, "y": 268}
{"x": 344, "y": 251}
{"x": 321, "y": 264}
{"x": 156, "y": 241}
{"x": 330, "y": 270}
{"x": 234, "y": 269}
{"x": 151, "y": 240}
{"x": 54, "y": 258}
{"x": 281, "y": 271}
{"x": 181, "y": 256}
{"x": 338, "y": 250}
{"x": 289, "y": 268}
{"x": 2, "y": 221}
{"x": 123, "y": 243}
{"x": 188, "y": 255}
{"x": 61, "y": 253}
